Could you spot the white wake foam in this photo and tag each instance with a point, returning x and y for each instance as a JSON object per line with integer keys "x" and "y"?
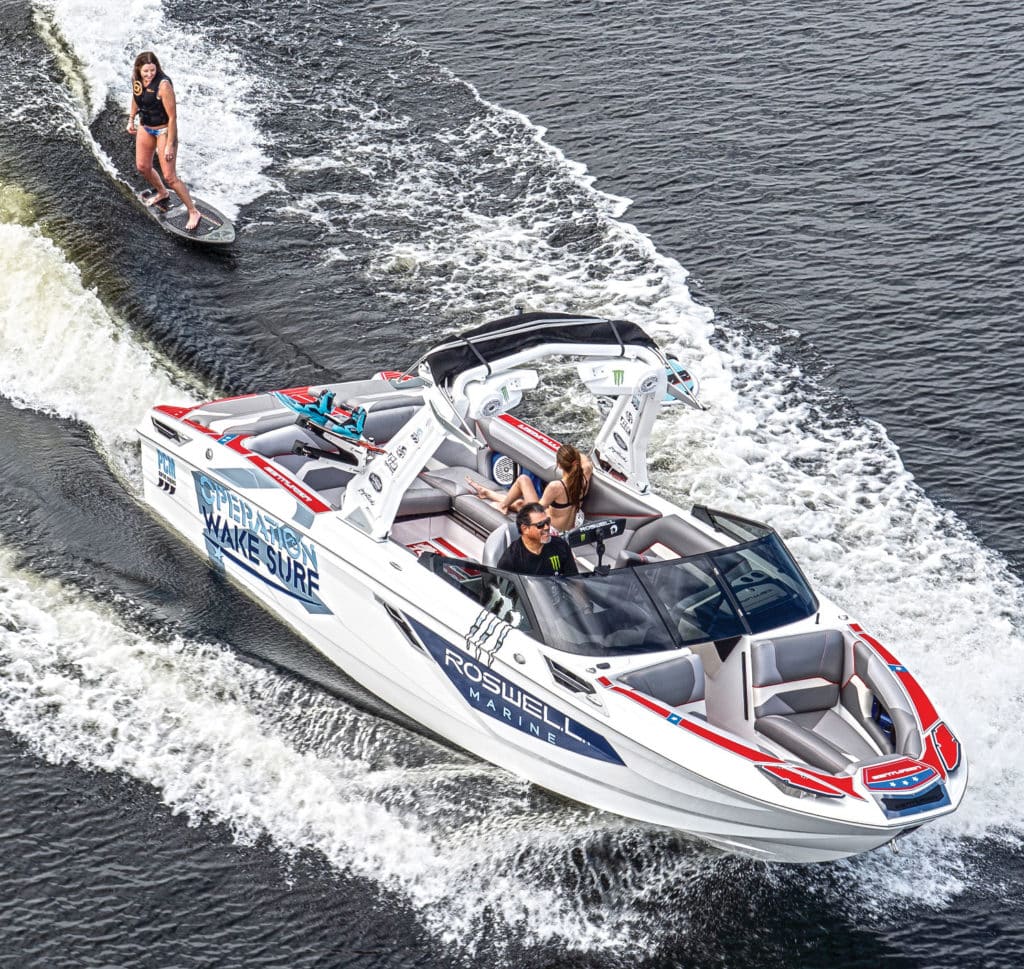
{"x": 62, "y": 353}
{"x": 223, "y": 154}
{"x": 226, "y": 742}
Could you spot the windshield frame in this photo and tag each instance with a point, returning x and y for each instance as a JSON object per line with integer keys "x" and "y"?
{"x": 791, "y": 570}
{"x": 543, "y": 607}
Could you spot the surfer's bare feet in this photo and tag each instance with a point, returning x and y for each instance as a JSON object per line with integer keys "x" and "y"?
{"x": 157, "y": 199}
{"x": 194, "y": 218}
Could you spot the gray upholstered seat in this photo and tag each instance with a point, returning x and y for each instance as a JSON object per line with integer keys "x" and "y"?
{"x": 388, "y": 407}
{"x": 422, "y": 498}
{"x": 878, "y": 684}
{"x": 796, "y": 691}
{"x": 293, "y": 462}
{"x": 481, "y": 513}
{"x": 282, "y": 440}
{"x": 499, "y": 540}
{"x": 324, "y": 478}
{"x": 504, "y": 438}
{"x": 677, "y": 681}
{"x": 671, "y": 535}
{"x": 822, "y": 738}
{"x": 453, "y": 482}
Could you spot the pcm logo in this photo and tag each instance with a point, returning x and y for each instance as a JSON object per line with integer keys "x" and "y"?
{"x": 165, "y": 479}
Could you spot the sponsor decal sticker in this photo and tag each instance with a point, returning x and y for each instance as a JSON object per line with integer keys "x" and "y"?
{"x": 165, "y": 476}
{"x": 486, "y": 636}
{"x": 493, "y": 695}
{"x": 899, "y": 775}
{"x": 238, "y": 532}
{"x": 530, "y": 431}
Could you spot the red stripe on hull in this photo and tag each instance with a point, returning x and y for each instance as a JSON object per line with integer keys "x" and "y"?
{"x": 642, "y": 700}
{"x": 171, "y": 411}
{"x": 843, "y": 784}
{"x": 926, "y": 713}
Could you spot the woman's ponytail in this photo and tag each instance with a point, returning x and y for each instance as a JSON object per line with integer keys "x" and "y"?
{"x": 568, "y": 459}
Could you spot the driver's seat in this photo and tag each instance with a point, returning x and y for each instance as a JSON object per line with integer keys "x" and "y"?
{"x": 496, "y": 543}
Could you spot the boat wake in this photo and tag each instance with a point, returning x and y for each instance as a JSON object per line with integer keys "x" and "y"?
{"x": 62, "y": 352}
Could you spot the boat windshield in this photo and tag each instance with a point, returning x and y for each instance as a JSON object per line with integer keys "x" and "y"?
{"x": 745, "y": 589}
{"x": 767, "y": 584}
{"x": 597, "y": 614}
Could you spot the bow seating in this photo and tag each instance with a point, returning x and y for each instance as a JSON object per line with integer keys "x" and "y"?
{"x": 796, "y": 685}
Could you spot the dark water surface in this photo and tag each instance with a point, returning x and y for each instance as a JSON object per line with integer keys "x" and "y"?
{"x": 185, "y": 783}
{"x": 851, "y": 172}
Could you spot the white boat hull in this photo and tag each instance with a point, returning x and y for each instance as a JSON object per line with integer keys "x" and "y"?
{"x": 357, "y": 631}
{"x": 697, "y": 682}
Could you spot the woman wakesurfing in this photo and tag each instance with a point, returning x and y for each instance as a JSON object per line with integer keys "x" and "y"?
{"x": 153, "y": 100}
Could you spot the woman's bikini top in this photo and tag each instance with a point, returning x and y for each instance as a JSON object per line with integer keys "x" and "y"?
{"x": 568, "y": 504}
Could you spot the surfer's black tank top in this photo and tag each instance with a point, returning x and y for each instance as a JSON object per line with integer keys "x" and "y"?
{"x": 150, "y": 106}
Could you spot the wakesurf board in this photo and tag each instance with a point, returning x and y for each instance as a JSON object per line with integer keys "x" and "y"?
{"x": 214, "y": 229}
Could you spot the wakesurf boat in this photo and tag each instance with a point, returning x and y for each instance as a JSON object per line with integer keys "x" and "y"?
{"x": 688, "y": 677}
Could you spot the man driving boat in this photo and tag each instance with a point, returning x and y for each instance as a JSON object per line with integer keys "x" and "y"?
{"x": 537, "y": 551}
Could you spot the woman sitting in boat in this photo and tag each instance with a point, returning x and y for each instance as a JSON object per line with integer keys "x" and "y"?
{"x": 562, "y": 499}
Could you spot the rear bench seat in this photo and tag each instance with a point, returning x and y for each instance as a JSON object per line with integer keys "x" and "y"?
{"x": 452, "y": 483}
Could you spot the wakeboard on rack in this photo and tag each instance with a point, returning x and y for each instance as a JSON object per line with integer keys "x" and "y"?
{"x": 214, "y": 229}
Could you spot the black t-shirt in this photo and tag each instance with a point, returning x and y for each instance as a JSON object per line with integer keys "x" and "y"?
{"x": 555, "y": 559}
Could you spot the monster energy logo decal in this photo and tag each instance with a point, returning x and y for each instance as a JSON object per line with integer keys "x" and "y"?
{"x": 556, "y": 562}
{"x": 486, "y": 636}
{"x": 618, "y": 376}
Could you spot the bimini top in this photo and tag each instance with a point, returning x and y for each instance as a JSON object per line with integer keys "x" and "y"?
{"x": 512, "y": 334}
